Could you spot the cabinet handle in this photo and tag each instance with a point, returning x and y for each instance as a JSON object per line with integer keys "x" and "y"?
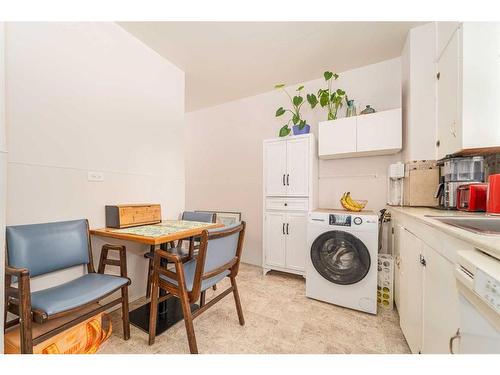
{"x": 287, "y": 228}
{"x": 452, "y": 339}
{"x": 283, "y": 228}
{"x": 287, "y": 179}
{"x": 283, "y": 180}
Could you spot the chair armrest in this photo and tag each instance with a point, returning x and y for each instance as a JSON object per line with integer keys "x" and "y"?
{"x": 172, "y": 258}
{"x": 18, "y": 272}
{"x": 162, "y": 254}
{"x": 17, "y": 298}
{"x": 23, "y": 277}
{"x": 122, "y": 262}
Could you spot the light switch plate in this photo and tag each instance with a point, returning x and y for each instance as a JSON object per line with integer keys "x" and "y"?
{"x": 95, "y": 176}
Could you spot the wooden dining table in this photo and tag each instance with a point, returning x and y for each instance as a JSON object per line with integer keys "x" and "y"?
{"x": 169, "y": 311}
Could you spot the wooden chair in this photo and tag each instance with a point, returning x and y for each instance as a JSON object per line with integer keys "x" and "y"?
{"x": 39, "y": 249}
{"x": 218, "y": 257}
{"x": 203, "y": 217}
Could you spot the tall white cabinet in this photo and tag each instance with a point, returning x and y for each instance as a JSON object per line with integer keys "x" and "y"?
{"x": 290, "y": 191}
{"x": 468, "y": 86}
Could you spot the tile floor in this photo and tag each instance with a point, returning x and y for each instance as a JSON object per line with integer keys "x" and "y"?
{"x": 279, "y": 319}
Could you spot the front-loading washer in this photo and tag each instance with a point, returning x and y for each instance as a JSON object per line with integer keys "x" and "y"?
{"x": 342, "y": 260}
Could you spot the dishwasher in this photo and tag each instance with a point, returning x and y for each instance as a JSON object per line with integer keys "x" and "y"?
{"x": 478, "y": 282}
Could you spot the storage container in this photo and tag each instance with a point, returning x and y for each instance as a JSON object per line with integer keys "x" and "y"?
{"x": 464, "y": 169}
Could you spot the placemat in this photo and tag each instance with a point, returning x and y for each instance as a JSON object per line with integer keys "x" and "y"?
{"x": 162, "y": 229}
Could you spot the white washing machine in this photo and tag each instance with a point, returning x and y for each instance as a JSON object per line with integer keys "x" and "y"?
{"x": 342, "y": 258}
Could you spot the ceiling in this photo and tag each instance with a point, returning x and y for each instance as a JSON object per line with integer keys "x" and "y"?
{"x": 224, "y": 61}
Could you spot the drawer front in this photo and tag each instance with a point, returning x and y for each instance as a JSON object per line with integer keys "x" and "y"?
{"x": 287, "y": 204}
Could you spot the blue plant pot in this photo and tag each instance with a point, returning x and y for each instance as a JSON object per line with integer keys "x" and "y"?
{"x": 304, "y": 130}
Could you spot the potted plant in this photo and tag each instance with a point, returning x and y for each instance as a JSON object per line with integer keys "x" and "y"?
{"x": 299, "y": 124}
{"x": 332, "y": 99}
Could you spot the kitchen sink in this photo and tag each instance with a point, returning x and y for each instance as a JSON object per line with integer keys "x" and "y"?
{"x": 481, "y": 224}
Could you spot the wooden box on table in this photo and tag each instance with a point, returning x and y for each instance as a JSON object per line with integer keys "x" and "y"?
{"x": 130, "y": 215}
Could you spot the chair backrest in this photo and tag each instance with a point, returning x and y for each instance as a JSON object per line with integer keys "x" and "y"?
{"x": 44, "y": 248}
{"x": 219, "y": 247}
{"x": 204, "y": 217}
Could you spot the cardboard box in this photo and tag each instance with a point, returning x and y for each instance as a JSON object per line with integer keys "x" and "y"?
{"x": 420, "y": 183}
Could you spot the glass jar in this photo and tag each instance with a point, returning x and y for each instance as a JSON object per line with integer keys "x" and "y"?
{"x": 351, "y": 108}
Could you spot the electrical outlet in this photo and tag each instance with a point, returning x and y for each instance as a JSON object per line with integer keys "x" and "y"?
{"x": 95, "y": 176}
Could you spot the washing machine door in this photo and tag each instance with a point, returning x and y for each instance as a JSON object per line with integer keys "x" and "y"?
{"x": 340, "y": 257}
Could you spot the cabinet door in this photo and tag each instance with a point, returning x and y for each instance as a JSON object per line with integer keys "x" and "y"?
{"x": 441, "y": 319}
{"x": 381, "y": 131}
{"x": 397, "y": 263}
{"x": 275, "y": 238}
{"x": 337, "y": 138}
{"x": 296, "y": 241}
{"x": 410, "y": 293}
{"x": 275, "y": 168}
{"x": 297, "y": 162}
{"x": 449, "y": 132}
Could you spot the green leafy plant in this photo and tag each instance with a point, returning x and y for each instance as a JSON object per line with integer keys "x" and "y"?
{"x": 332, "y": 99}
{"x": 297, "y": 101}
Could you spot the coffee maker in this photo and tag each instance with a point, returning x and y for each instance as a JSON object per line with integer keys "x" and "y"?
{"x": 456, "y": 171}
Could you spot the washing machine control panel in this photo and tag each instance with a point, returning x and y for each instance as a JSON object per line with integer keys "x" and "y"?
{"x": 340, "y": 220}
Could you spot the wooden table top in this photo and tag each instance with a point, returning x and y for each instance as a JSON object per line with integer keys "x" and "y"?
{"x": 178, "y": 229}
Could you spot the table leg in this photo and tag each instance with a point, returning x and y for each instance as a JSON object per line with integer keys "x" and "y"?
{"x": 169, "y": 313}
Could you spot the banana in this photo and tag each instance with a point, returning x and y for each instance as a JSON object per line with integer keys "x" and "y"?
{"x": 350, "y": 204}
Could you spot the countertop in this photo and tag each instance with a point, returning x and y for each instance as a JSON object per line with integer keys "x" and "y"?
{"x": 486, "y": 242}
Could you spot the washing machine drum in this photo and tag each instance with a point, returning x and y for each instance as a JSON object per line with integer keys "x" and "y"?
{"x": 340, "y": 257}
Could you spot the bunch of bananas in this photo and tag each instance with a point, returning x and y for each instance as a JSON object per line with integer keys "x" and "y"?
{"x": 350, "y": 204}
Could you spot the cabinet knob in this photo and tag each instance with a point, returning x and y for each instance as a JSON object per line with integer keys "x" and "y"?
{"x": 286, "y": 204}
{"x": 438, "y": 143}
{"x": 438, "y": 75}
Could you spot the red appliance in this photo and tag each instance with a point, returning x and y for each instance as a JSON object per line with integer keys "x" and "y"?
{"x": 493, "y": 200}
{"x": 472, "y": 197}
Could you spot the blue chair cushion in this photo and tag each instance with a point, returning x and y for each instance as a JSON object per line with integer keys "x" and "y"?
{"x": 44, "y": 248}
{"x": 75, "y": 293}
{"x": 189, "y": 271}
{"x": 203, "y": 217}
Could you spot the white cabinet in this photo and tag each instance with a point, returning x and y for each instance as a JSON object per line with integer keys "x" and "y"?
{"x": 297, "y": 162}
{"x": 441, "y": 318}
{"x": 287, "y": 166}
{"x": 296, "y": 241}
{"x": 275, "y": 168}
{"x": 468, "y": 87}
{"x": 448, "y": 132}
{"x": 285, "y": 240}
{"x": 337, "y": 137}
{"x": 426, "y": 293}
{"x": 290, "y": 185}
{"x": 379, "y": 133}
{"x": 418, "y": 81}
{"x": 410, "y": 289}
{"x": 274, "y": 238}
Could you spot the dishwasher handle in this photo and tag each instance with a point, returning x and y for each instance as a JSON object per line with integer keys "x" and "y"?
{"x": 452, "y": 340}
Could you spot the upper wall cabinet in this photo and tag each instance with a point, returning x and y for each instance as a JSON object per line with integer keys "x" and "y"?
{"x": 374, "y": 134}
{"x": 468, "y": 88}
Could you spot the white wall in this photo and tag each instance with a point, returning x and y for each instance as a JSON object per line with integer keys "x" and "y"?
{"x": 3, "y": 157}
{"x": 418, "y": 63}
{"x": 90, "y": 97}
{"x": 224, "y": 150}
